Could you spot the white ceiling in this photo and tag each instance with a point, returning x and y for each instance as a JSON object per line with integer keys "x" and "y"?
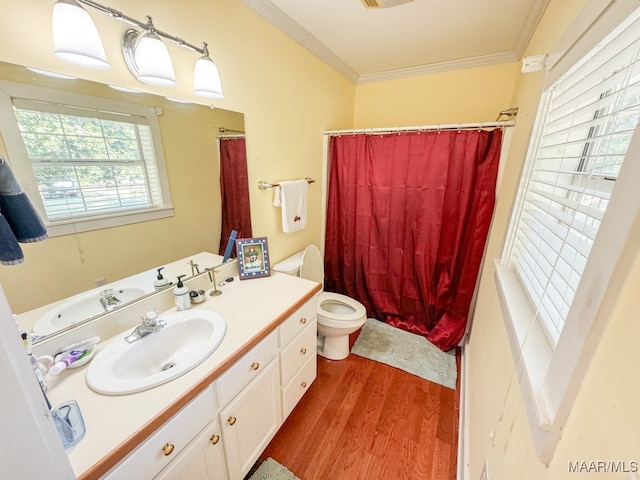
{"x": 413, "y": 38}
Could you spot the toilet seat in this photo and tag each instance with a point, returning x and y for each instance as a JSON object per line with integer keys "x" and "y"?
{"x": 347, "y": 309}
{"x": 338, "y": 315}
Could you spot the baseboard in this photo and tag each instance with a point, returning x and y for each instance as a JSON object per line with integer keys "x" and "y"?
{"x": 463, "y": 424}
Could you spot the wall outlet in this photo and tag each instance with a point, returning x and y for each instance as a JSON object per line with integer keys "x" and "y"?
{"x": 485, "y": 471}
{"x": 100, "y": 282}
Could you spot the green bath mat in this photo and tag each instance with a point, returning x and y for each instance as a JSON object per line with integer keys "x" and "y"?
{"x": 406, "y": 351}
{"x": 272, "y": 470}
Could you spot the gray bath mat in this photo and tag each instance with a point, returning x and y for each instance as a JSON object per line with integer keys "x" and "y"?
{"x": 272, "y": 470}
{"x": 406, "y": 351}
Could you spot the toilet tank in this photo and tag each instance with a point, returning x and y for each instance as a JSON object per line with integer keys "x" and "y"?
{"x": 290, "y": 265}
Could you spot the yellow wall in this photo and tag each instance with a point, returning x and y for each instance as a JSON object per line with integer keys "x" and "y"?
{"x": 461, "y": 96}
{"x": 288, "y": 96}
{"x": 603, "y": 422}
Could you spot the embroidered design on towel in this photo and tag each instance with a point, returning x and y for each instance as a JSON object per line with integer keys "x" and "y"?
{"x": 291, "y": 196}
{"x": 19, "y": 221}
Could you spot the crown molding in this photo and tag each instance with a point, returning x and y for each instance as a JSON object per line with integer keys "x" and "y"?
{"x": 471, "y": 62}
{"x": 291, "y": 28}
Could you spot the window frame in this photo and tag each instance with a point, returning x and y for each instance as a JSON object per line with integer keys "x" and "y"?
{"x": 550, "y": 379}
{"x": 18, "y": 158}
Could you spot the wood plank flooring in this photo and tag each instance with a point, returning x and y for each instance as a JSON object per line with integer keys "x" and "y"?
{"x": 365, "y": 420}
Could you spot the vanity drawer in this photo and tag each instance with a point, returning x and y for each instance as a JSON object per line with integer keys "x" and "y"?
{"x": 157, "y": 451}
{"x": 293, "y": 392}
{"x": 247, "y": 368}
{"x": 297, "y": 322}
{"x": 298, "y": 352}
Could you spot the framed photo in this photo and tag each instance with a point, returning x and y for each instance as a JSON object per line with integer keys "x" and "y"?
{"x": 253, "y": 258}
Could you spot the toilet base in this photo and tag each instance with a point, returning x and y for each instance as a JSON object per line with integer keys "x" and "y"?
{"x": 334, "y": 348}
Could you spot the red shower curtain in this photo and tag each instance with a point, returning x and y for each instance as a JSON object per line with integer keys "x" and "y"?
{"x": 234, "y": 190}
{"x": 408, "y": 217}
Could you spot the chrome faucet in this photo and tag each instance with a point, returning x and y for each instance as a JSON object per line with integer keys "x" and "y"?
{"x": 108, "y": 300}
{"x": 150, "y": 324}
{"x": 194, "y": 268}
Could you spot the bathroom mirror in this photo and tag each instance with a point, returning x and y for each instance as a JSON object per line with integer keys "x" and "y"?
{"x": 63, "y": 266}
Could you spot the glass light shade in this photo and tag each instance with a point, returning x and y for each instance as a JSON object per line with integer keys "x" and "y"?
{"x": 153, "y": 61}
{"x": 75, "y": 36}
{"x": 206, "y": 79}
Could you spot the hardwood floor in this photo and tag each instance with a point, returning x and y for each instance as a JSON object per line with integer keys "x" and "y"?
{"x": 365, "y": 420}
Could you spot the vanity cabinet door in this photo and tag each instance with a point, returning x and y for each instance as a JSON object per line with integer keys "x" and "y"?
{"x": 166, "y": 444}
{"x": 203, "y": 459}
{"x": 250, "y": 421}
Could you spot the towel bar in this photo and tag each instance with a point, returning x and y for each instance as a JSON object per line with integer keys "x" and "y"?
{"x": 264, "y": 185}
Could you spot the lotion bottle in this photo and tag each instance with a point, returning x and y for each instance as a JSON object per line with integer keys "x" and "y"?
{"x": 160, "y": 282}
{"x": 181, "y": 295}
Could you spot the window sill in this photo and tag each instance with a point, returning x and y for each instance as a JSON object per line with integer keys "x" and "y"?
{"x": 68, "y": 227}
{"x": 532, "y": 357}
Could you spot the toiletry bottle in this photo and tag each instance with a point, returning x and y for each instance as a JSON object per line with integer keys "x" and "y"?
{"x": 160, "y": 282}
{"x": 181, "y": 295}
{"x": 67, "y": 359}
{"x": 33, "y": 361}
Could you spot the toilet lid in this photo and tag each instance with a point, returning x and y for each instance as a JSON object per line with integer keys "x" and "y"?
{"x": 312, "y": 266}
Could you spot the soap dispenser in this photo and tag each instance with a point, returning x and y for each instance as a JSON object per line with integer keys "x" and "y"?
{"x": 160, "y": 282}
{"x": 181, "y": 295}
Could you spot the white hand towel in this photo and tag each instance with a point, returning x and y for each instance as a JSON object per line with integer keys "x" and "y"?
{"x": 292, "y": 197}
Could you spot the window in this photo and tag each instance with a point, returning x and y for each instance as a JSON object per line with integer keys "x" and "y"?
{"x": 571, "y": 242}
{"x": 94, "y": 162}
{"x": 585, "y": 126}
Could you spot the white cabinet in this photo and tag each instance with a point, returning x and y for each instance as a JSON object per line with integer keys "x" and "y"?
{"x": 251, "y": 415}
{"x": 203, "y": 459}
{"x": 297, "y": 337}
{"x": 165, "y": 445}
{"x": 251, "y": 420}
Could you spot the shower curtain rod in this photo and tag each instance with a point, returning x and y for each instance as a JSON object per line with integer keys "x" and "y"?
{"x": 228, "y": 137}
{"x": 423, "y": 128}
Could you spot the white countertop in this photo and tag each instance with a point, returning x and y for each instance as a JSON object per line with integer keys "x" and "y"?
{"x": 116, "y": 424}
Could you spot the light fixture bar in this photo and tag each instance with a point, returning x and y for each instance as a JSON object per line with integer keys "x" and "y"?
{"x": 143, "y": 25}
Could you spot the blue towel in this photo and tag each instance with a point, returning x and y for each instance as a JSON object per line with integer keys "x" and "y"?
{"x": 19, "y": 221}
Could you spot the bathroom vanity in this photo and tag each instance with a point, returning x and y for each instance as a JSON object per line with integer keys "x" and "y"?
{"x": 214, "y": 421}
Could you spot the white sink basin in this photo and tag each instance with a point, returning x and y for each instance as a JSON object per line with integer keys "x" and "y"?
{"x": 82, "y": 307}
{"x": 186, "y": 341}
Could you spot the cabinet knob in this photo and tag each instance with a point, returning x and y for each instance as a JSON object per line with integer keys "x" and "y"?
{"x": 303, "y": 350}
{"x": 255, "y": 366}
{"x": 303, "y": 384}
{"x": 231, "y": 420}
{"x": 303, "y": 320}
{"x": 214, "y": 439}
{"x": 168, "y": 449}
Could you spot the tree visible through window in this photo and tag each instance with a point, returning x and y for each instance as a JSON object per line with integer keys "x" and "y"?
{"x": 88, "y": 163}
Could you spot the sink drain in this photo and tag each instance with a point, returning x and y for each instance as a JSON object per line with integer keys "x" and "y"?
{"x": 168, "y": 365}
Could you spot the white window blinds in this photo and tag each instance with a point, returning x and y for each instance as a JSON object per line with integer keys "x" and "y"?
{"x": 89, "y": 162}
{"x": 582, "y": 133}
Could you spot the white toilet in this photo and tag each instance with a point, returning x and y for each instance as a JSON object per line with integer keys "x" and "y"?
{"x": 338, "y": 315}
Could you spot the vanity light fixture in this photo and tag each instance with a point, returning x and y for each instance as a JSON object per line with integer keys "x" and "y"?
{"x": 124, "y": 89}
{"x": 75, "y": 36}
{"x": 145, "y": 53}
{"x": 51, "y": 74}
{"x": 148, "y": 57}
{"x": 206, "y": 79}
